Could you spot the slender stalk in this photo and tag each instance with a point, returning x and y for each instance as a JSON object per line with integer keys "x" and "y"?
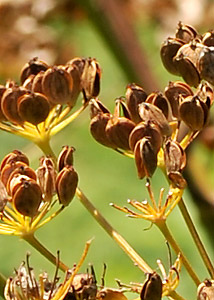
{"x": 176, "y": 296}
{"x": 196, "y": 238}
{"x": 2, "y": 284}
{"x": 32, "y": 240}
{"x": 167, "y": 234}
{"x": 113, "y": 233}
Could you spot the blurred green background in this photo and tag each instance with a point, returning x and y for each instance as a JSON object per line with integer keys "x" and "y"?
{"x": 105, "y": 176}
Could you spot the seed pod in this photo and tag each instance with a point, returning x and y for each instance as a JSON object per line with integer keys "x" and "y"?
{"x": 15, "y": 182}
{"x": 37, "y": 82}
{"x": 152, "y": 288}
{"x": 193, "y": 112}
{"x": 97, "y": 107}
{"x": 173, "y": 92}
{"x": 2, "y": 90}
{"x": 74, "y": 73}
{"x": 135, "y": 95}
{"x": 33, "y": 67}
{"x": 33, "y": 108}
{"x": 8, "y": 169}
{"x": 65, "y": 157}
{"x": 145, "y": 158}
{"x": 206, "y": 290}
{"x": 15, "y": 155}
{"x": 57, "y": 85}
{"x": 169, "y": 50}
{"x": 186, "y": 61}
{"x": 151, "y": 113}
{"x": 149, "y": 130}
{"x": 3, "y": 196}
{"x": 206, "y": 94}
{"x": 78, "y": 62}
{"x": 208, "y": 38}
{"x": 118, "y": 130}
{"x": 27, "y": 198}
{"x": 185, "y": 32}
{"x": 46, "y": 176}
{"x": 206, "y": 64}
{"x": 9, "y": 104}
{"x": 111, "y": 294}
{"x": 90, "y": 79}
{"x": 159, "y": 100}
{"x": 174, "y": 156}
{"x": 66, "y": 184}
{"x": 177, "y": 179}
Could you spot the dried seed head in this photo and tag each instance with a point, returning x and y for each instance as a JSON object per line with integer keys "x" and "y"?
{"x": 65, "y": 157}
{"x": 152, "y": 288}
{"x": 46, "y": 176}
{"x": 90, "y": 79}
{"x": 159, "y": 100}
{"x": 66, "y": 184}
{"x": 8, "y": 169}
{"x": 135, "y": 95}
{"x": 206, "y": 63}
{"x": 75, "y": 75}
{"x": 206, "y": 290}
{"x": 169, "y": 50}
{"x": 27, "y": 198}
{"x": 34, "y": 66}
{"x": 151, "y": 113}
{"x": 185, "y": 32}
{"x": 193, "y": 112}
{"x": 57, "y": 85}
{"x": 173, "y": 92}
{"x": 9, "y": 103}
{"x": 33, "y": 108}
{"x": 145, "y": 158}
{"x": 149, "y": 130}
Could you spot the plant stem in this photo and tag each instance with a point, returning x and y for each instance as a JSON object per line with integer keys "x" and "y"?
{"x": 2, "y": 284}
{"x": 32, "y": 240}
{"x": 167, "y": 234}
{"x": 113, "y": 233}
{"x": 175, "y": 295}
{"x": 196, "y": 238}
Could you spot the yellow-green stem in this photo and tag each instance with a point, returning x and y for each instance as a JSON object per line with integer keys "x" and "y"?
{"x": 32, "y": 240}
{"x": 2, "y": 284}
{"x": 167, "y": 234}
{"x": 44, "y": 145}
{"x": 175, "y": 295}
{"x": 196, "y": 238}
{"x": 113, "y": 233}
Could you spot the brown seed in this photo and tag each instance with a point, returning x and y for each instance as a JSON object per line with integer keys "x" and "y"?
{"x": 151, "y": 113}
{"x": 135, "y": 95}
{"x": 169, "y": 50}
{"x": 174, "y": 156}
{"x": 145, "y": 158}
{"x": 15, "y": 155}
{"x": 206, "y": 64}
{"x": 8, "y": 169}
{"x": 78, "y": 62}
{"x": 149, "y": 130}
{"x": 34, "y": 66}
{"x": 9, "y": 104}
{"x": 27, "y": 198}
{"x": 159, "y": 100}
{"x": 185, "y": 32}
{"x": 66, "y": 184}
{"x": 193, "y": 112}
{"x": 3, "y": 196}
{"x": 37, "y": 83}
{"x": 74, "y": 73}
{"x": 33, "y": 108}
{"x": 65, "y": 157}
{"x": 177, "y": 180}
{"x": 97, "y": 107}
{"x": 110, "y": 294}
{"x": 57, "y": 85}
{"x": 152, "y": 288}
{"x": 206, "y": 290}
{"x": 208, "y": 38}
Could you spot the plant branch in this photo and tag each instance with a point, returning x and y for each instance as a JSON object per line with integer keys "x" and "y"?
{"x": 113, "y": 233}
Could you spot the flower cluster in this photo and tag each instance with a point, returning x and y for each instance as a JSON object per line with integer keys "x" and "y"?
{"x": 27, "y": 195}
{"x": 150, "y": 126}
{"x": 189, "y": 54}
{"x": 40, "y": 106}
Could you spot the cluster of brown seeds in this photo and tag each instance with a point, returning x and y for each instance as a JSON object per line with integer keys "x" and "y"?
{"x": 42, "y": 87}
{"x": 190, "y": 55}
{"x": 27, "y": 189}
{"x": 144, "y": 124}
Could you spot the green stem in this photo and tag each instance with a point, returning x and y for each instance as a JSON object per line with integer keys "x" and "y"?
{"x": 113, "y": 233}
{"x": 2, "y": 284}
{"x": 196, "y": 238}
{"x": 175, "y": 295}
{"x": 167, "y": 234}
{"x": 44, "y": 145}
{"x": 32, "y": 240}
